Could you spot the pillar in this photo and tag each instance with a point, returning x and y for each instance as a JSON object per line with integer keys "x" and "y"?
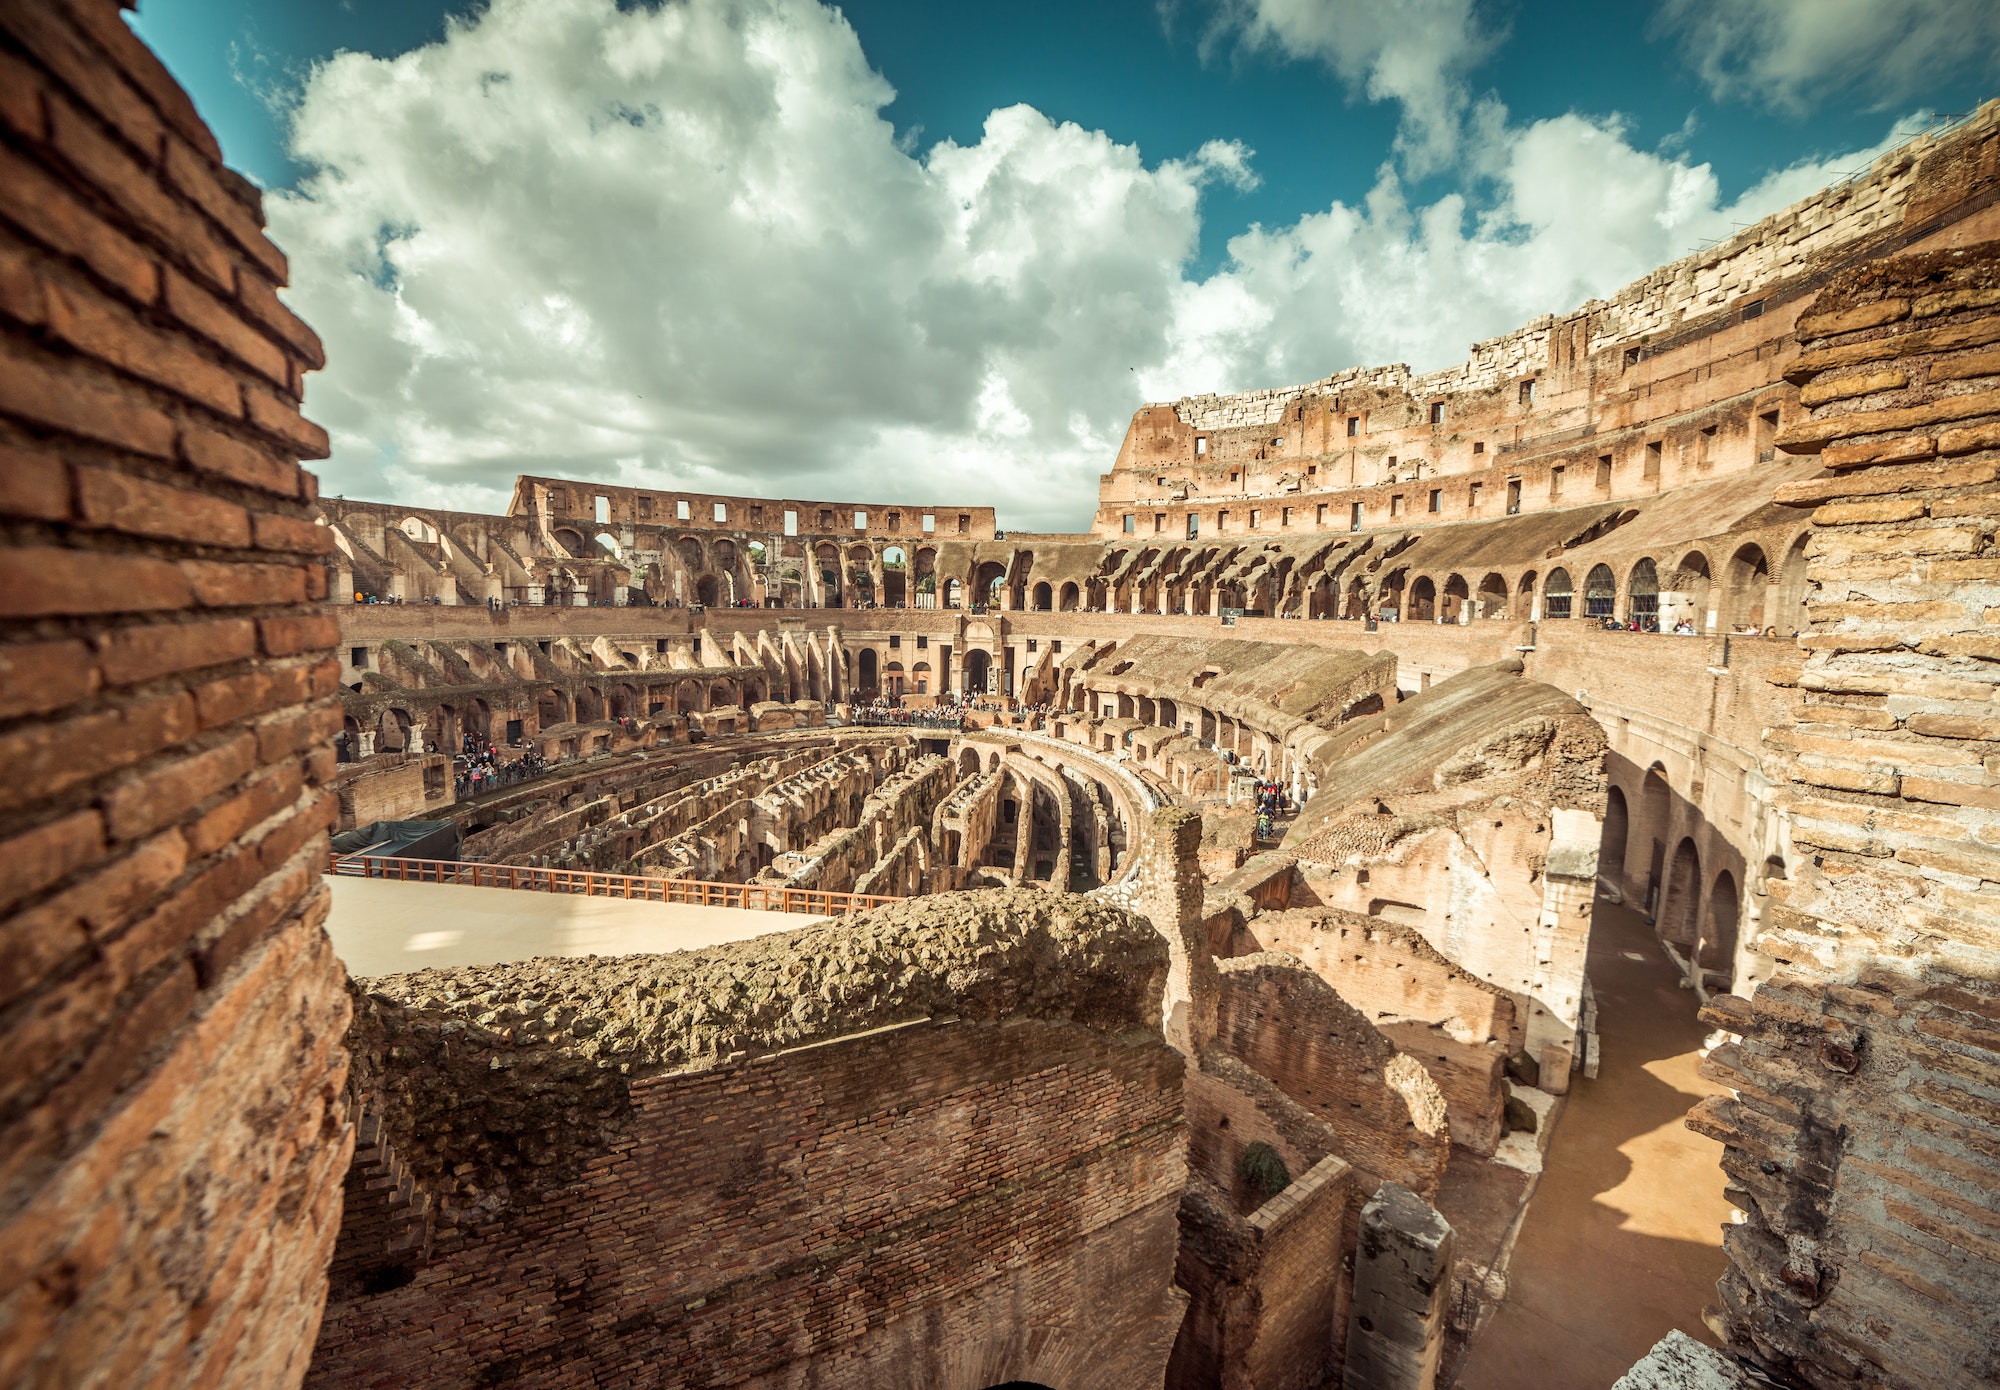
{"x": 1402, "y": 1278}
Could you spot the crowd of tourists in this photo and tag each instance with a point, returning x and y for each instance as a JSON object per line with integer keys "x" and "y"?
{"x": 481, "y": 768}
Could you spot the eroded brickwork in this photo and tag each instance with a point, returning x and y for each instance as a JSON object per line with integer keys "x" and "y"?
{"x": 173, "y": 1132}
{"x": 1864, "y": 1135}
{"x": 941, "y": 1145}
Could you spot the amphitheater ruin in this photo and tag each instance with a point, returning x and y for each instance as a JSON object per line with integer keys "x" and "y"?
{"x": 1194, "y": 953}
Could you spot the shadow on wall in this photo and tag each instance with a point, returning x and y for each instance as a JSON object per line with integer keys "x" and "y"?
{"x": 1677, "y": 868}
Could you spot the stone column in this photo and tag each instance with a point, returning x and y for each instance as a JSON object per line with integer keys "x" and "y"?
{"x": 1402, "y": 1278}
{"x": 1170, "y": 891}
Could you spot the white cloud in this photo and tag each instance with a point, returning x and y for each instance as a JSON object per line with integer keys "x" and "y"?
{"x": 1797, "y": 54}
{"x": 1579, "y": 213}
{"x": 679, "y": 246}
{"x": 1413, "y": 52}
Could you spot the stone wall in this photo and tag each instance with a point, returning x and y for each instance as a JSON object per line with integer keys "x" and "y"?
{"x": 1863, "y": 1136}
{"x": 938, "y": 1145}
{"x": 1286, "y": 1024}
{"x": 172, "y": 1129}
{"x": 1462, "y": 1028}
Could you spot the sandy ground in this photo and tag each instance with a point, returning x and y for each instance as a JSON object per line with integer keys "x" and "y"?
{"x": 386, "y": 927}
{"x": 1623, "y": 1237}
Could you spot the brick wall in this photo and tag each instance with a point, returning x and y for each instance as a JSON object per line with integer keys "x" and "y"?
{"x": 1863, "y": 1138}
{"x": 1288, "y": 1025}
{"x": 899, "y": 1209}
{"x": 172, "y": 1130}
{"x": 1459, "y": 1026}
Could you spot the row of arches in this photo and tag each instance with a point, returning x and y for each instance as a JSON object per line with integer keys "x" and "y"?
{"x": 1747, "y": 595}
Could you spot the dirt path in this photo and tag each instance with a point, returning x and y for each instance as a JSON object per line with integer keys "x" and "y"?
{"x": 1622, "y": 1240}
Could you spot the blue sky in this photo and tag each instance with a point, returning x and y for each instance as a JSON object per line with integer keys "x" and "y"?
{"x": 1447, "y": 142}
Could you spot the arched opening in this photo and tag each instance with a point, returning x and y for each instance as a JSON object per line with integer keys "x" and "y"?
{"x": 589, "y": 706}
{"x": 867, "y": 683}
{"x": 571, "y": 542}
{"x": 892, "y": 678}
{"x": 968, "y": 762}
{"x": 1066, "y": 598}
{"x": 952, "y": 593}
{"x": 1718, "y": 942}
{"x": 826, "y": 559}
{"x": 1691, "y": 588}
{"x": 1600, "y": 593}
{"x": 1678, "y": 925}
{"x": 987, "y": 582}
{"x": 1391, "y": 595}
{"x": 895, "y": 577}
{"x": 1456, "y": 595}
{"x": 550, "y": 709}
{"x": 1611, "y": 846}
{"x": 1787, "y": 612}
{"x": 1493, "y": 596}
{"x": 978, "y": 671}
{"x": 1746, "y": 587}
{"x": 706, "y": 591}
{"x": 920, "y": 677}
{"x": 1557, "y": 595}
{"x": 1042, "y": 594}
{"x": 1356, "y": 606}
{"x": 1655, "y": 810}
{"x": 1642, "y": 596}
{"x": 690, "y": 697}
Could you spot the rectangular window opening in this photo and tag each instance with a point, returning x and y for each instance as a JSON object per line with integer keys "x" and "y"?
{"x": 1604, "y": 472}
{"x": 1555, "y": 483}
{"x": 721, "y": 511}
{"x": 1513, "y": 496}
{"x": 681, "y": 510}
{"x": 929, "y": 523}
{"x": 1437, "y": 412}
{"x": 1437, "y": 499}
{"x": 1472, "y": 498}
{"x": 861, "y": 521}
{"x": 1528, "y": 392}
{"x": 603, "y": 510}
{"x": 1200, "y": 448}
{"x": 791, "y": 522}
{"x": 1353, "y": 426}
{"x": 1652, "y": 468}
{"x": 1131, "y": 523}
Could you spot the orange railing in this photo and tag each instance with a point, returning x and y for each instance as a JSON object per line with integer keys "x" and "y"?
{"x": 760, "y": 897}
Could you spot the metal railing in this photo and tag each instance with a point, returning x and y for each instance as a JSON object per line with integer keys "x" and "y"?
{"x": 756, "y": 897}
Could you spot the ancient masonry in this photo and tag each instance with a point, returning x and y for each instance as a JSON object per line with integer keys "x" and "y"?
{"x": 1075, "y": 1075}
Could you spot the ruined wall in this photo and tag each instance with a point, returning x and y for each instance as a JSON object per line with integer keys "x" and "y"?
{"x": 939, "y": 1145}
{"x": 1286, "y": 1024}
{"x": 1462, "y": 1028}
{"x": 1863, "y": 1138}
{"x": 172, "y": 1129}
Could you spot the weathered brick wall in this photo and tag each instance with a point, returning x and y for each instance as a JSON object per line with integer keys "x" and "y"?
{"x": 940, "y": 1144}
{"x": 1286, "y": 1024}
{"x": 172, "y": 1129}
{"x": 1460, "y": 1027}
{"x": 1863, "y": 1141}
{"x": 829, "y": 1212}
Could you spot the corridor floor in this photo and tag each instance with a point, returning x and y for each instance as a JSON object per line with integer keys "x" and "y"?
{"x": 1622, "y": 1240}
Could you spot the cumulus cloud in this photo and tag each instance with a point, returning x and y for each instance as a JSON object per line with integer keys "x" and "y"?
{"x": 1579, "y": 212}
{"x": 1795, "y": 54}
{"x": 1413, "y": 52}
{"x": 678, "y": 246}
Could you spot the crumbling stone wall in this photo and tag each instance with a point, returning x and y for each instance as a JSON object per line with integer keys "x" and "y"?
{"x": 754, "y": 1163}
{"x": 1462, "y": 1028}
{"x": 1863, "y": 1138}
{"x": 1285, "y": 1023}
{"x": 172, "y": 1127}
